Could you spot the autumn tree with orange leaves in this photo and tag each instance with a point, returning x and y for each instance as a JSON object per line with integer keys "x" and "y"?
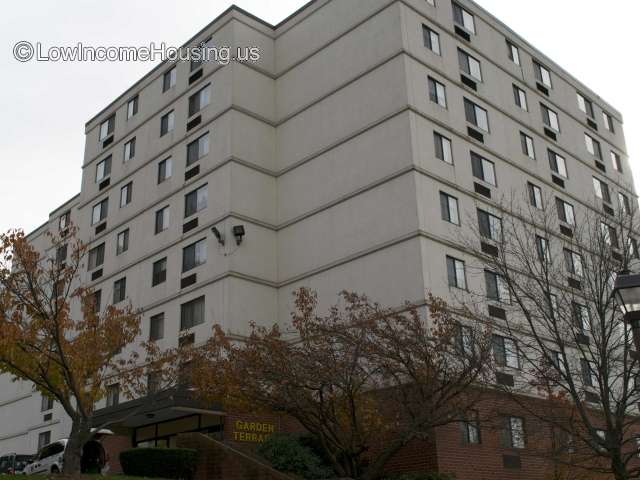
{"x": 364, "y": 380}
{"x": 52, "y": 335}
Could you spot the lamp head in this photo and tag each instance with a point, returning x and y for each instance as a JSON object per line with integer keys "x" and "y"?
{"x": 238, "y": 232}
{"x": 218, "y": 235}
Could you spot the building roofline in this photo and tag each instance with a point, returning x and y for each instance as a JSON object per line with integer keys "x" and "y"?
{"x": 547, "y": 59}
{"x": 229, "y": 10}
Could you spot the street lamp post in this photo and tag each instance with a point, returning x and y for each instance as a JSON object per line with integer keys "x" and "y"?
{"x": 627, "y": 294}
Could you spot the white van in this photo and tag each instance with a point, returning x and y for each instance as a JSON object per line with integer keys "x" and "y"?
{"x": 48, "y": 459}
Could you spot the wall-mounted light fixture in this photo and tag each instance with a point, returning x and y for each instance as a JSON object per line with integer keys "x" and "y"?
{"x": 218, "y": 235}
{"x": 238, "y": 232}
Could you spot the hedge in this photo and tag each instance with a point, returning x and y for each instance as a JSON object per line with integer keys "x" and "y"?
{"x": 175, "y": 463}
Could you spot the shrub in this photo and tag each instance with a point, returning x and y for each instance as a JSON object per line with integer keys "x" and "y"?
{"x": 289, "y": 454}
{"x": 175, "y": 463}
{"x": 422, "y": 476}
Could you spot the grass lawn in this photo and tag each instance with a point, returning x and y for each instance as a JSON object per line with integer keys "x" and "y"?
{"x": 78, "y": 477}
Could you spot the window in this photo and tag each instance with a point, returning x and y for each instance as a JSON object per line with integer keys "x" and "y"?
{"x": 623, "y": 200}
{"x": 585, "y": 105}
{"x": 558, "y": 362}
{"x": 443, "y": 148}
{"x": 582, "y": 317}
{"x": 513, "y": 433}
{"x": 483, "y": 169}
{"x": 159, "y": 274}
{"x": 431, "y": 40}
{"x": 103, "y": 169}
{"x": 132, "y": 107}
{"x": 593, "y": 146}
{"x": 449, "y": 208}
{"x": 96, "y": 301}
{"x": 573, "y": 262}
{"x": 465, "y": 340}
{"x": 535, "y": 195}
{"x": 520, "y": 97}
{"x": 44, "y": 439}
{"x": 197, "y": 62}
{"x": 122, "y": 242}
{"x": 589, "y": 377}
{"x": 610, "y": 235}
{"x": 125, "y": 194}
{"x": 61, "y": 253}
{"x": 195, "y": 201}
{"x": 616, "y": 161}
{"x": 527, "y": 145}
{"x": 542, "y": 74}
{"x": 119, "y": 290}
{"x": 64, "y": 220}
{"x": 557, "y": 164}
{"x": 471, "y": 428}
{"x": 100, "y": 211}
{"x": 154, "y": 382}
{"x": 167, "y": 122}
{"x": 542, "y": 246}
{"x": 550, "y": 118}
{"x": 46, "y": 403}
{"x": 489, "y": 225}
{"x": 463, "y": 18}
{"x": 476, "y": 115}
{"x": 113, "y": 395}
{"x": 130, "y": 149}
{"x": 505, "y": 352}
{"x": 608, "y": 121}
{"x": 456, "y": 273}
{"x": 165, "y": 168}
{"x": 553, "y": 305}
{"x": 437, "y": 92}
{"x": 156, "y": 327}
{"x": 192, "y": 313}
{"x": 199, "y": 100}
{"x": 601, "y": 190}
{"x": 469, "y": 65}
{"x": 565, "y": 212}
{"x": 514, "y": 53}
{"x": 106, "y": 127}
{"x": 632, "y": 245}
{"x": 197, "y": 149}
{"x": 497, "y": 288}
{"x": 194, "y": 255}
{"x": 169, "y": 79}
{"x": 162, "y": 220}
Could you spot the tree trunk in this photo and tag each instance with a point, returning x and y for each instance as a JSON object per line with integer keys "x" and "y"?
{"x": 80, "y": 434}
{"x": 619, "y": 469}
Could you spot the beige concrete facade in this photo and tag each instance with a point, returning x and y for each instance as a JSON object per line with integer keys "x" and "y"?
{"x": 324, "y": 151}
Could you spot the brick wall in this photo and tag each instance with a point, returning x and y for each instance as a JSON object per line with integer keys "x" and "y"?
{"x": 113, "y": 445}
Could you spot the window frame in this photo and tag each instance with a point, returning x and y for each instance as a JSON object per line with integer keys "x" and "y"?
{"x": 446, "y": 210}
{"x": 122, "y": 246}
{"x": 428, "y": 36}
{"x": 167, "y": 123}
{"x": 459, "y": 267}
{"x": 473, "y": 112}
{"x": 443, "y": 146}
{"x": 436, "y": 88}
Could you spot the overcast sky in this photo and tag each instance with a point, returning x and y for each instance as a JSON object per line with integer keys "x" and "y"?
{"x": 44, "y": 106}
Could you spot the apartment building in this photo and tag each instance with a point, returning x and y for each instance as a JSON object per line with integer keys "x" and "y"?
{"x": 347, "y": 157}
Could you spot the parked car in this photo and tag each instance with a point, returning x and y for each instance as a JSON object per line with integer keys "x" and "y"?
{"x": 50, "y": 457}
{"x": 14, "y": 464}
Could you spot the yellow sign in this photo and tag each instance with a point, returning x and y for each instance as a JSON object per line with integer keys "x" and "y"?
{"x": 256, "y": 432}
